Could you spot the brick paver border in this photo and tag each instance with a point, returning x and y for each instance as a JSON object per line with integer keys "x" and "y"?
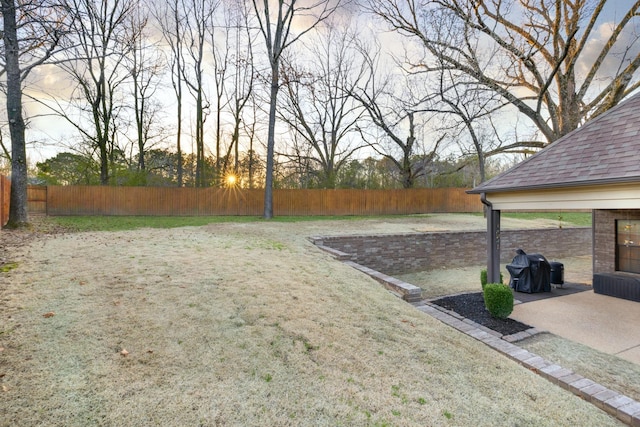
{"x": 622, "y": 407}
{"x": 618, "y": 405}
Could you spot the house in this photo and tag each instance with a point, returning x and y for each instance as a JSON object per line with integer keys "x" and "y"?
{"x": 596, "y": 168}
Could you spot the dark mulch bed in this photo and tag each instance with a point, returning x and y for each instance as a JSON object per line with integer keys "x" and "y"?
{"x": 472, "y": 307}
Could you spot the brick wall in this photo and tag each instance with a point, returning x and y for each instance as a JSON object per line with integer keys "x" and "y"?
{"x": 604, "y": 222}
{"x": 406, "y": 253}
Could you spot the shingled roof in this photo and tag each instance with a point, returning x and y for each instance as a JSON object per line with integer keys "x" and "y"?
{"x": 605, "y": 150}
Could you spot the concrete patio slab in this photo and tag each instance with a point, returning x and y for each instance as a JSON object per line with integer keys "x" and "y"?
{"x": 611, "y": 325}
{"x": 633, "y": 354}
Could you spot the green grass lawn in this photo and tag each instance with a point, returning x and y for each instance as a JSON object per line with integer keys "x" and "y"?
{"x": 117, "y": 223}
{"x": 582, "y": 219}
{"x": 571, "y": 218}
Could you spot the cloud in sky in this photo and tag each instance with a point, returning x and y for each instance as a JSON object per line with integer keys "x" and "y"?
{"x": 626, "y": 49}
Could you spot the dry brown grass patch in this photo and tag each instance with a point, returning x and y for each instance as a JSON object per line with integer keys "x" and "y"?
{"x": 242, "y": 324}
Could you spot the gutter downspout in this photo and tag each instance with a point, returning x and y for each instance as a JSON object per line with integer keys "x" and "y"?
{"x": 493, "y": 240}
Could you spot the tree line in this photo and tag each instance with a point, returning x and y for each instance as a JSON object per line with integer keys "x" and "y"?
{"x": 304, "y": 93}
{"x": 162, "y": 167}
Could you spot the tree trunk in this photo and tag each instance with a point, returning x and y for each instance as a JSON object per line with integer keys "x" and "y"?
{"x": 407, "y": 173}
{"x": 408, "y": 180}
{"x": 199, "y": 141}
{"x": 271, "y": 140}
{"x": 139, "y": 107}
{"x": 18, "y": 216}
{"x": 217, "y": 175}
{"x": 178, "y": 90}
{"x": 104, "y": 162}
{"x": 236, "y": 142}
{"x": 178, "y": 143}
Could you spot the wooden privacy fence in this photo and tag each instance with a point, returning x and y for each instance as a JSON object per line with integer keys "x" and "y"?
{"x": 161, "y": 201}
{"x": 5, "y": 196}
{"x": 37, "y": 199}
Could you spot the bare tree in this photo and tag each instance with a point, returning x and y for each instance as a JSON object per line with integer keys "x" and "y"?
{"x": 221, "y": 52}
{"x": 548, "y": 65}
{"x": 298, "y": 170}
{"x": 393, "y": 112}
{"x": 97, "y": 65}
{"x": 317, "y": 105}
{"x": 467, "y": 109}
{"x": 467, "y": 112}
{"x": 195, "y": 36}
{"x": 145, "y": 66}
{"x": 31, "y": 34}
{"x": 252, "y": 164}
{"x": 241, "y": 88}
{"x": 276, "y": 18}
{"x": 171, "y": 17}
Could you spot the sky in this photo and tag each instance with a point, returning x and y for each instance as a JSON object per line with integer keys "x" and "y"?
{"x": 49, "y": 134}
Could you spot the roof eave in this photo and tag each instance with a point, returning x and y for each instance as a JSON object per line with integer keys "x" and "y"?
{"x": 555, "y": 185}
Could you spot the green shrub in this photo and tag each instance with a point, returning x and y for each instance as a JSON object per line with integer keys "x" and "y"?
{"x": 483, "y": 278}
{"x": 498, "y": 299}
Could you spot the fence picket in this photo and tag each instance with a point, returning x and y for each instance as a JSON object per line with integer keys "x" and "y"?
{"x": 166, "y": 201}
